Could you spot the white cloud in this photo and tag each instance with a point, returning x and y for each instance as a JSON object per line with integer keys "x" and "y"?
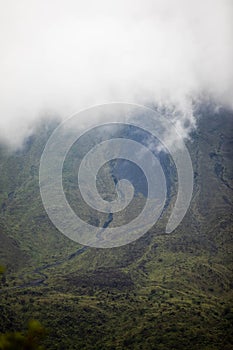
{"x": 66, "y": 55}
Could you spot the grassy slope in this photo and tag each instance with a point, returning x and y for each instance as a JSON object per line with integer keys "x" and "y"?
{"x": 160, "y": 292}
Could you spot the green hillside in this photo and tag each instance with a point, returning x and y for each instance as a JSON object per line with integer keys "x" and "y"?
{"x": 163, "y": 291}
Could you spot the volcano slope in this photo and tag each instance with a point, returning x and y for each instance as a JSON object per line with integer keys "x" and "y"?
{"x": 163, "y": 291}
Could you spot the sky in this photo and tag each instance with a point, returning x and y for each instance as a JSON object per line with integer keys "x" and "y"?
{"x": 57, "y": 57}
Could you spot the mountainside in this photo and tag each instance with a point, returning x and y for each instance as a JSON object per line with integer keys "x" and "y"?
{"x": 163, "y": 291}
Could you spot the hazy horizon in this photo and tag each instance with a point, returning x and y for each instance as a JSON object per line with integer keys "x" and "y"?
{"x": 60, "y": 57}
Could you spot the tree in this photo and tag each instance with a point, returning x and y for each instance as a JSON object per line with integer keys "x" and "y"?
{"x": 28, "y": 341}
{"x": 19, "y": 341}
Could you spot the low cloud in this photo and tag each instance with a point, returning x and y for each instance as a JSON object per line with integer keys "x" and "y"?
{"x": 58, "y": 57}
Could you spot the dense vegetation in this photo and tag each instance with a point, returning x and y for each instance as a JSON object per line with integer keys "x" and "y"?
{"x": 28, "y": 341}
{"x": 164, "y": 291}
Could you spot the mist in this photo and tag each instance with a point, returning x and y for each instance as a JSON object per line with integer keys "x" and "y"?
{"x": 58, "y": 57}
